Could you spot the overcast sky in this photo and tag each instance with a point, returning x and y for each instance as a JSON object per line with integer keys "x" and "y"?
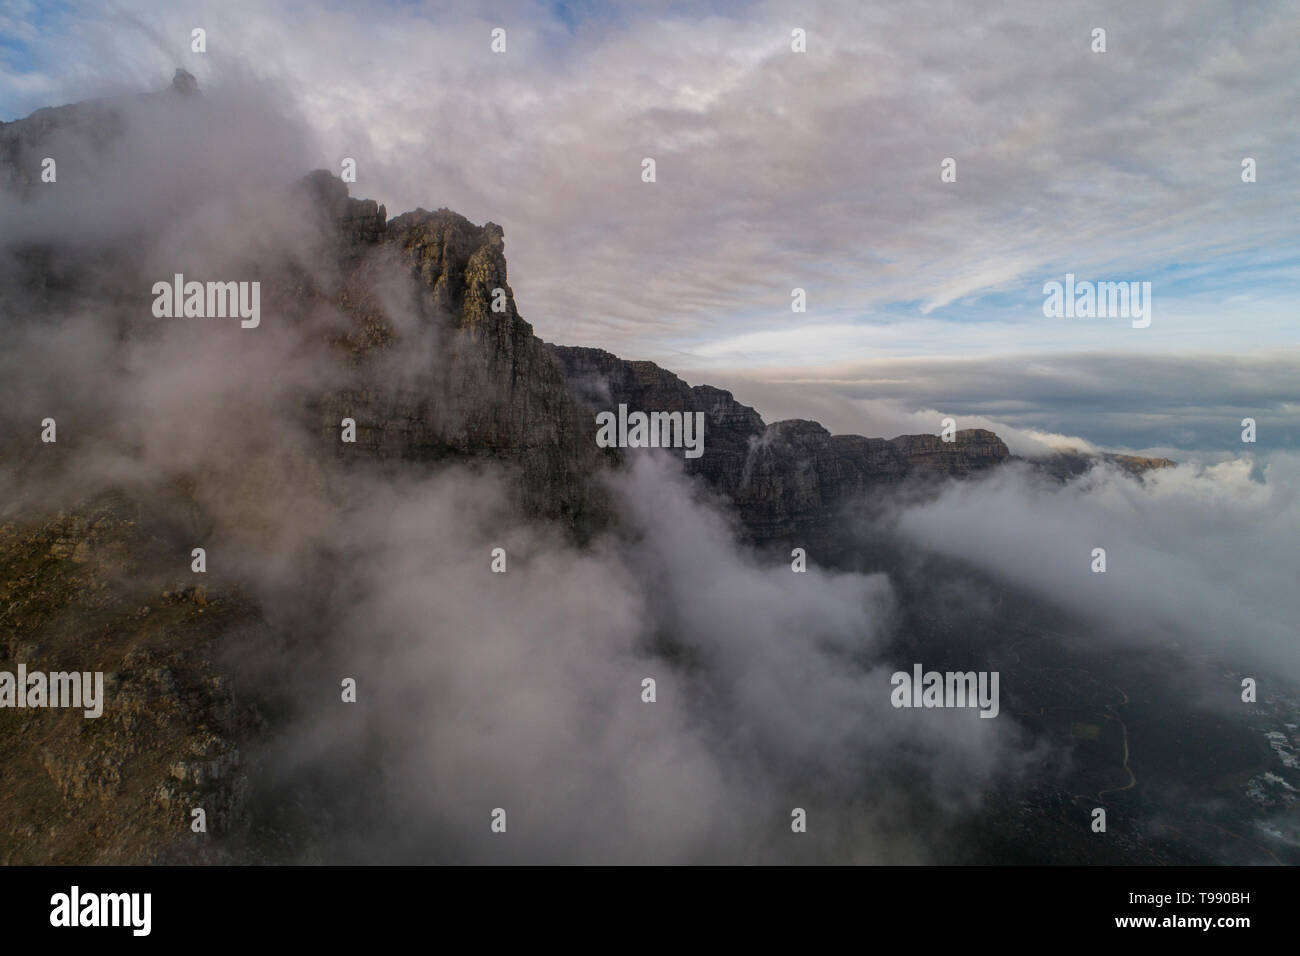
{"x": 818, "y": 170}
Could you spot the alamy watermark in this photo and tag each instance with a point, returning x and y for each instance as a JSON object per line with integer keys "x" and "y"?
{"x": 84, "y": 690}
{"x": 211, "y": 300}
{"x": 949, "y": 689}
{"x": 651, "y": 430}
{"x": 1098, "y": 300}
{"x": 75, "y": 908}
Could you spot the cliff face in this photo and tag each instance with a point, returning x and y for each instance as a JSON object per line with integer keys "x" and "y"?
{"x": 599, "y": 381}
{"x": 485, "y": 387}
{"x": 787, "y": 479}
{"x": 799, "y": 475}
{"x": 500, "y": 393}
{"x": 490, "y": 390}
{"x": 1064, "y": 465}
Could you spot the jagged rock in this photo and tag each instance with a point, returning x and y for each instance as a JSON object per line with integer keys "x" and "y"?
{"x": 494, "y": 391}
{"x": 786, "y": 479}
{"x": 600, "y": 381}
{"x": 360, "y": 221}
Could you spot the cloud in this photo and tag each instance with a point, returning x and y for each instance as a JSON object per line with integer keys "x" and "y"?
{"x": 1199, "y": 558}
{"x": 779, "y": 170}
{"x": 523, "y": 690}
{"x": 1138, "y": 403}
{"x": 475, "y": 690}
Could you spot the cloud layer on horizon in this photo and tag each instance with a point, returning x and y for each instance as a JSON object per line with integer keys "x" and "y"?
{"x": 1186, "y": 407}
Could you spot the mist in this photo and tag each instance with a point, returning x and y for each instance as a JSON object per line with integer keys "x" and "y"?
{"x": 523, "y": 691}
{"x": 1199, "y": 556}
{"x": 476, "y": 690}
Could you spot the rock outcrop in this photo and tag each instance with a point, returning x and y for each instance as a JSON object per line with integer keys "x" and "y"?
{"x": 500, "y": 393}
{"x": 489, "y": 389}
{"x": 1064, "y": 465}
{"x": 76, "y": 594}
{"x": 786, "y": 479}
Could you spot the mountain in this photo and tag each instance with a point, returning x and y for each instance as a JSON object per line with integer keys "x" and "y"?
{"x": 405, "y": 326}
{"x": 508, "y": 395}
{"x": 504, "y": 394}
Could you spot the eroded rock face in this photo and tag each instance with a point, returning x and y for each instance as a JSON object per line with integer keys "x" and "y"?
{"x": 359, "y": 222}
{"x": 76, "y": 595}
{"x": 785, "y": 479}
{"x": 600, "y": 381}
{"x": 489, "y": 389}
{"x": 498, "y": 392}
{"x": 799, "y": 476}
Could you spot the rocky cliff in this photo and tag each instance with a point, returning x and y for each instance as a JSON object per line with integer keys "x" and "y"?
{"x": 1067, "y": 464}
{"x": 490, "y": 391}
{"x": 787, "y": 479}
{"x": 504, "y": 394}
{"x": 81, "y": 592}
{"x": 430, "y": 357}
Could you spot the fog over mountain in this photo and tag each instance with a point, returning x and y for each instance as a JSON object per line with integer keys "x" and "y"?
{"x": 524, "y": 690}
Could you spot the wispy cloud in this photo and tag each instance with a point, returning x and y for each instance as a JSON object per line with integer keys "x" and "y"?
{"x": 779, "y": 170}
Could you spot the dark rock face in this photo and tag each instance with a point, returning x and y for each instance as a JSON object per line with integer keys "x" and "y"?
{"x": 600, "y": 381}
{"x": 497, "y": 392}
{"x": 358, "y": 221}
{"x": 183, "y": 81}
{"x": 799, "y": 476}
{"x": 117, "y": 789}
{"x": 786, "y": 479}
{"x": 492, "y": 390}
{"x": 501, "y": 393}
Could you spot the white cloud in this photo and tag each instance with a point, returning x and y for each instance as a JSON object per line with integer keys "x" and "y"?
{"x": 778, "y": 169}
{"x": 1201, "y": 557}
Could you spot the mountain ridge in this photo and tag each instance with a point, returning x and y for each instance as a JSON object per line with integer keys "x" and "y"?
{"x": 431, "y": 365}
{"x": 508, "y": 394}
